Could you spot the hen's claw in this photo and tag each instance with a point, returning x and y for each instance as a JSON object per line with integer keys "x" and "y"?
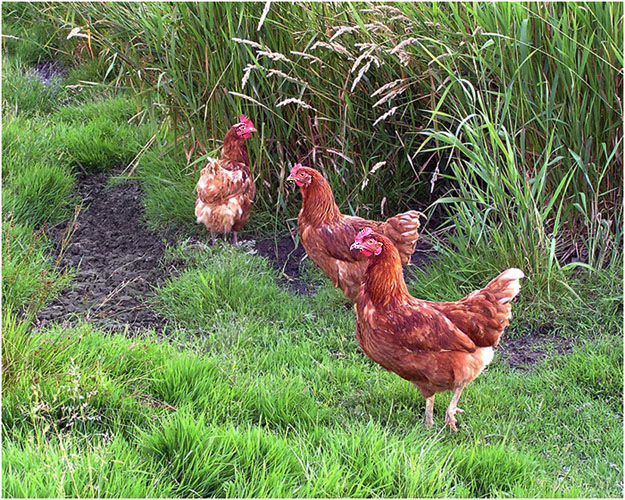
{"x": 450, "y": 417}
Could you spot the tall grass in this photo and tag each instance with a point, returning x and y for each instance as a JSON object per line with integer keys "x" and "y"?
{"x": 514, "y": 108}
{"x": 509, "y": 112}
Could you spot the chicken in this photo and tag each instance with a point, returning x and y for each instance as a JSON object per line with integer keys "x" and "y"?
{"x": 226, "y": 189}
{"x": 326, "y": 233}
{"x": 438, "y": 346}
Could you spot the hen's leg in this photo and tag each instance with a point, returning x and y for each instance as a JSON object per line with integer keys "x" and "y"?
{"x": 234, "y": 238}
{"x": 452, "y": 409}
{"x": 429, "y": 412}
{"x": 213, "y": 237}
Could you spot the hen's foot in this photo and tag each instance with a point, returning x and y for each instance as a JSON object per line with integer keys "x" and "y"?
{"x": 450, "y": 417}
{"x": 235, "y": 240}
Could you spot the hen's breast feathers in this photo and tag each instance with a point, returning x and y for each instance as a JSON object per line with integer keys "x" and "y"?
{"x": 217, "y": 184}
{"x": 225, "y": 191}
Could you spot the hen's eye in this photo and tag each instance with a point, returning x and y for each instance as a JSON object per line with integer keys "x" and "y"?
{"x": 371, "y": 241}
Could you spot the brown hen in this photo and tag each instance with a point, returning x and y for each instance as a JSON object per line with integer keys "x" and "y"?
{"x": 327, "y": 234}
{"x": 438, "y": 346}
{"x": 226, "y": 189}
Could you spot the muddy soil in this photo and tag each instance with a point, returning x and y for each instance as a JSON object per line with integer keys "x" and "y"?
{"x": 49, "y": 72}
{"x": 120, "y": 261}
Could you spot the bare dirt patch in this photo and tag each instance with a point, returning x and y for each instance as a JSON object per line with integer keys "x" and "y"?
{"x": 49, "y": 72}
{"x": 118, "y": 260}
{"x": 522, "y": 353}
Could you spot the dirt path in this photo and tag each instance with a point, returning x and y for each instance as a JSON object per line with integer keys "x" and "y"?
{"x": 521, "y": 353}
{"x": 117, "y": 258}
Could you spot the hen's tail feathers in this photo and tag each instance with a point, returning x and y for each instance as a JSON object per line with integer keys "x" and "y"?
{"x": 484, "y": 314}
{"x": 506, "y": 286}
{"x": 403, "y": 229}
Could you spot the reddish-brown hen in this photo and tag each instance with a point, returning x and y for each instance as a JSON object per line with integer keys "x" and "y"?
{"x": 327, "y": 234}
{"x": 438, "y": 346}
{"x": 226, "y": 189}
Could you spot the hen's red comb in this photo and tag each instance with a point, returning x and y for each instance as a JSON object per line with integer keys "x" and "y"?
{"x": 246, "y": 120}
{"x": 363, "y": 234}
{"x": 295, "y": 168}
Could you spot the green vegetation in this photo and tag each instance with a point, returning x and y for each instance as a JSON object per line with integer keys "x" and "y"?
{"x": 510, "y": 112}
{"x": 280, "y": 401}
{"x": 45, "y": 144}
{"x": 511, "y": 109}
{"x": 28, "y": 278}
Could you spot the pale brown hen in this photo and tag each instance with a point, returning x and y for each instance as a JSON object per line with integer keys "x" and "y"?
{"x": 327, "y": 234}
{"x": 438, "y": 346}
{"x": 226, "y": 189}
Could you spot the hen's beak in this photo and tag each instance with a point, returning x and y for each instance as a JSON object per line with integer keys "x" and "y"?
{"x": 355, "y": 246}
{"x": 290, "y": 178}
{"x": 252, "y": 129}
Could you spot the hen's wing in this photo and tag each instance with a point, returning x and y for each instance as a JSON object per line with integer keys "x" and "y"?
{"x": 484, "y": 314}
{"x": 419, "y": 327}
{"x": 217, "y": 183}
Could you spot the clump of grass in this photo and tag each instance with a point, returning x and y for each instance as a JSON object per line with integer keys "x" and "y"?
{"x": 24, "y": 93}
{"x": 103, "y": 144}
{"x": 29, "y": 141}
{"x": 169, "y": 187}
{"x": 40, "y": 193}
{"x": 105, "y": 467}
{"x": 494, "y": 470}
{"x": 216, "y": 461}
{"x": 118, "y": 109}
{"x": 91, "y": 136}
{"x": 228, "y": 284}
{"x": 29, "y": 278}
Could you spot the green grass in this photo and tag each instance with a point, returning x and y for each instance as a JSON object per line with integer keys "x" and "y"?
{"x": 46, "y": 142}
{"x": 23, "y": 92}
{"x": 26, "y": 37}
{"x": 40, "y": 193}
{"x": 29, "y": 278}
{"x": 220, "y": 287}
{"x": 246, "y": 399}
{"x": 169, "y": 188}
